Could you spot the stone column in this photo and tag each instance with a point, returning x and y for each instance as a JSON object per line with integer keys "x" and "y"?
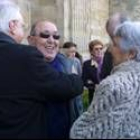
{"x": 78, "y": 33}
{"x": 59, "y": 17}
{"x": 67, "y": 20}
{"x": 88, "y": 19}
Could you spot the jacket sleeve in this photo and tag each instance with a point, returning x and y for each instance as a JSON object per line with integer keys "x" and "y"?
{"x": 52, "y": 84}
{"x": 92, "y": 123}
{"x": 88, "y": 82}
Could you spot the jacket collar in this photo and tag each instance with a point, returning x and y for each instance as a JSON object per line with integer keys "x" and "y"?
{"x": 5, "y": 38}
{"x": 130, "y": 65}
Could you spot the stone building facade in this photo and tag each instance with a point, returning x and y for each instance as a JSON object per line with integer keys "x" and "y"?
{"x": 78, "y": 20}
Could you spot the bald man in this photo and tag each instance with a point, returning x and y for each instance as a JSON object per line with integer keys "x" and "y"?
{"x": 45, "y": 37}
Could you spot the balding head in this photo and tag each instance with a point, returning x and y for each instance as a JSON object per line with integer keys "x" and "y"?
{"x": 39, "y": 26}
{"x": 114, "y": 21}
{"x": 44, "y": 35}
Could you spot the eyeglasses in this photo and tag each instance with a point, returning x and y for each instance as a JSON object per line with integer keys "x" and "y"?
{"x": 98, "y": 49}
{"x": 43, "y": 35}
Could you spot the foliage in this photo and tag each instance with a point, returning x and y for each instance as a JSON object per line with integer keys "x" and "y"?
{"x": 85, "y": 99}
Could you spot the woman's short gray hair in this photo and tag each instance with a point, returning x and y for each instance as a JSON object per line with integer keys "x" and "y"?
{"x": 129, "y": 33}
{"x": 8, "y": 11}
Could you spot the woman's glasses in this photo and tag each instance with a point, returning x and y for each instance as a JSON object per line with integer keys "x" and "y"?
{"x": 43, "y": 35}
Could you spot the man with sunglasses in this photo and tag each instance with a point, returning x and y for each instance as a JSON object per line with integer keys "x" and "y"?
{"x": 45, "y": 37}
{"x": 27, "y": 82}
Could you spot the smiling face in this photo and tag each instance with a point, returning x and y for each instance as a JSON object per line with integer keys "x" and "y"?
{"x": 46, "y": 39}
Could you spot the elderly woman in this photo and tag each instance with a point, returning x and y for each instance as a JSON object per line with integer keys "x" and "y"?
{"x": 92, "y": 67}
{"x": 115, "y": 110}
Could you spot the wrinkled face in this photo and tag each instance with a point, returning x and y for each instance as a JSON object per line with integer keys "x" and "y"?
{"x": 46, "y": 40}
{"x": 16, "y": 29}
{"x": 97, "y": 51}
{"x": 20, "y": 30}
{"x": 118, "y": 55}
{"x": 70, "y": 52}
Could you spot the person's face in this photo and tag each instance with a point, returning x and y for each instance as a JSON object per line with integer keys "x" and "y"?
{"x": 20, "y": 31}
{"x": 16, "y": 29}
{"x": 47, "y": 40}
{"x": 71, "y": 52}
{"x": 118, "y": 55}
{"x": 97, "y": 51}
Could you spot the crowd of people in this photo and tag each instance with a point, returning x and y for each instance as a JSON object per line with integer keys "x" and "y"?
{"x": 41, "y": 88}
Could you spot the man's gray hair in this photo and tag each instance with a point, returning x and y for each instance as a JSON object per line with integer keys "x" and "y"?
{"x": 129, "y": 33}
{"x": 8, "y": 11}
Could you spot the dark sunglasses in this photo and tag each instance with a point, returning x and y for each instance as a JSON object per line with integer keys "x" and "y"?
{"x": 43, "y": 35}
{"x": 98, "y": 48}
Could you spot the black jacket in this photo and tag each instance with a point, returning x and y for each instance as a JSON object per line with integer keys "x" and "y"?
{"x": 26, "y": 84}
{"x": 107, "y": 65}
{"x": 89, "y": 74}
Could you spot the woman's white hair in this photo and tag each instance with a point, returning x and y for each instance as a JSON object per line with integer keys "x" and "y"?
{"x": 8, "y": 11}
{"x": 129, "y": 33}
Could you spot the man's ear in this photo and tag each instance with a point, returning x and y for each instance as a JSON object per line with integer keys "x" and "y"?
{"x": 31, "y": 41}
{"x": 12, "y": 27}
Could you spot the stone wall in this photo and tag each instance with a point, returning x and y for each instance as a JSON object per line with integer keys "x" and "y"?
{"x": 51, "y": 10}
{"x": 77, "y": 20}
{"x": 131, "y": 7}
{"x": 86, "y": 22}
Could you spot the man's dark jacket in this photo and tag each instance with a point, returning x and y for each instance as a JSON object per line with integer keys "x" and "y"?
{"x": 26, "y": 84}
{"x": 90, "y": 74}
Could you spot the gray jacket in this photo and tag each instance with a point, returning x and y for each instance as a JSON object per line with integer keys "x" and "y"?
{"x": 115, "y": 110}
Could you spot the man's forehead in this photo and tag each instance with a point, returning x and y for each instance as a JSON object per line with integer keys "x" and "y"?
{"x": 47, "y": 26}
